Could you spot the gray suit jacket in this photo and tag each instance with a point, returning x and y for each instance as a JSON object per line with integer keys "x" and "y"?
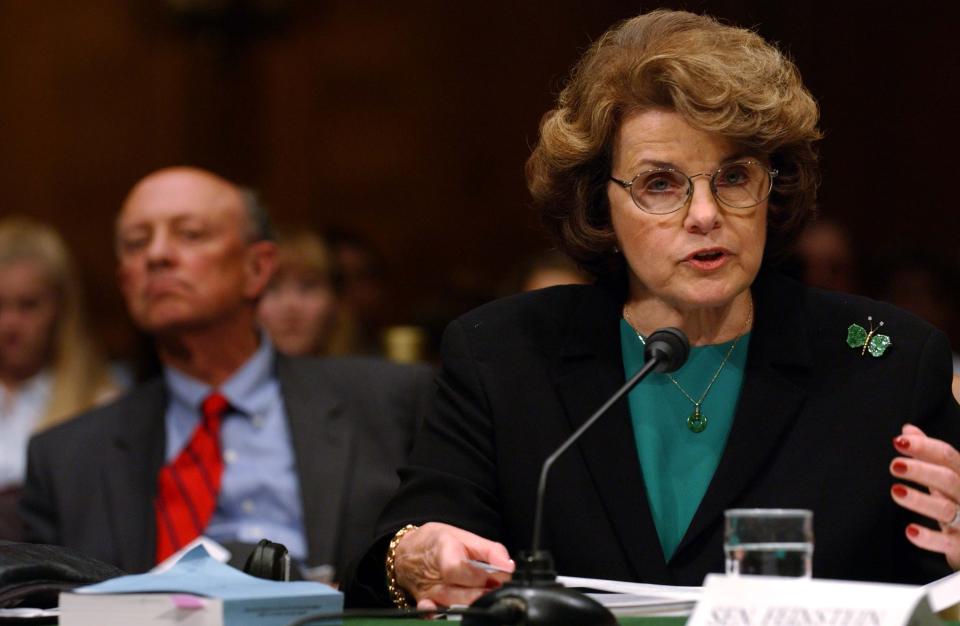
{"x": 91, "y": 481}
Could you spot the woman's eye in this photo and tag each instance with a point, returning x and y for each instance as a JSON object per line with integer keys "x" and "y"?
{"x": 733, "y": 176}
{"x": 659, "y": 184}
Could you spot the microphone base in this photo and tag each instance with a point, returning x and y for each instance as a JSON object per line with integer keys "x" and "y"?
{"x": 540, "y": 600}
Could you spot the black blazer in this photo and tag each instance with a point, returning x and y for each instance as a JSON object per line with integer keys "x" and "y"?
{"x": 813, "y": 429}
{"x": 91, "y": 481}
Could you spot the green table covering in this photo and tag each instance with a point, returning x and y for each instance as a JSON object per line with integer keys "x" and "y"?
{"x": 626, "y": 621}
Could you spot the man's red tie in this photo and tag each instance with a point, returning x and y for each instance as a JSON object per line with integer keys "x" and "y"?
{"x": 187, "y": 488}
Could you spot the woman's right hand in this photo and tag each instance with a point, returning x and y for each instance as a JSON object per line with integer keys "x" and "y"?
{"x": 431, "y": 564}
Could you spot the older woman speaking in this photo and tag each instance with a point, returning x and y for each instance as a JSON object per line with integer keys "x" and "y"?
{"x": 680, "y": 154}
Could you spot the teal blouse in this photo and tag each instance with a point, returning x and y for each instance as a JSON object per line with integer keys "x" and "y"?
{"x": 677, "y": 463}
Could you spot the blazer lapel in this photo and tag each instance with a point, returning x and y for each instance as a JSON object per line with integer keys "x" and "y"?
{"x": 591, "y": 371}
{"x": 770, "y": 399}
{"x": 134, "y": 457}
{"x": 322, "y": 435}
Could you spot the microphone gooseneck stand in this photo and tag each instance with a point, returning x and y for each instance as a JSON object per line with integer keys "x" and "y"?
{"x": 534, "y": 587}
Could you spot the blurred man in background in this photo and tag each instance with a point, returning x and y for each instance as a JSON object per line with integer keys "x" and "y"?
{"x": 233, "y": 441}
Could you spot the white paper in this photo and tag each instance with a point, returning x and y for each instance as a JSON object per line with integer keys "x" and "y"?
{"x": 214, "y": 549}
{"x": 944, "y": 593}
{"x": 637, "y": 599}
{"x": 665, "y": 592}
{"x": 629, "y": 605}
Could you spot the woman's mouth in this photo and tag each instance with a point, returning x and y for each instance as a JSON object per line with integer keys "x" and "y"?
{"x": 707, "y": 260}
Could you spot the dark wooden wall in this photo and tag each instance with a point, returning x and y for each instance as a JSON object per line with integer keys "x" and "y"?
{"x": 409, "y": 122}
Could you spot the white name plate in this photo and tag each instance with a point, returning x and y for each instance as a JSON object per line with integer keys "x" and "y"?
{"x": 766, "y": 601}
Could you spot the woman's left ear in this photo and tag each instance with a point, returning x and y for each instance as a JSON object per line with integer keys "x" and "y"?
{"x": 261, "y": 264}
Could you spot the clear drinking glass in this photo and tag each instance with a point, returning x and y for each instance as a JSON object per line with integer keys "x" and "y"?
{"x": 769, "y": 542}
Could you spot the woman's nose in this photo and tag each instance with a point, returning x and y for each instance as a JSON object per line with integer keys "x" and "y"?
{"x": 703, "y": 210}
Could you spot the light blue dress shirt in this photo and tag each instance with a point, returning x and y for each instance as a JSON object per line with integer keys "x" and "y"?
{"x": 259, "y": 493}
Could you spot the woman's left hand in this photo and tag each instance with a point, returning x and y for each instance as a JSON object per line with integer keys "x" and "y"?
{"x": 934, "y": 464}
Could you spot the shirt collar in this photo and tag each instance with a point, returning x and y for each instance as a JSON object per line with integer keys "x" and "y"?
{"x": 239, "y": 389}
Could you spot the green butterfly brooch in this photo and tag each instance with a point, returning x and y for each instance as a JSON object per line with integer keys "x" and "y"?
{"x": 870, "y": 341}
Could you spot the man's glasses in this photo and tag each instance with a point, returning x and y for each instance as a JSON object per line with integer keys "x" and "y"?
{"x": 739, "y": 185}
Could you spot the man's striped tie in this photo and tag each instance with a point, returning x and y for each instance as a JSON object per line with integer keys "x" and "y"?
{"x": 187, "y": 488}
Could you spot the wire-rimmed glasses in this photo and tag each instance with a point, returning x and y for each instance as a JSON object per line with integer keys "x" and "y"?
{"x": 738, "y": 185}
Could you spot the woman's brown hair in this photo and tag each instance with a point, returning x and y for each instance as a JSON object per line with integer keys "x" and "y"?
{"x": 721, "y": 79}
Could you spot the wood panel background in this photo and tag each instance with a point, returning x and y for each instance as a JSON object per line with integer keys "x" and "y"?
{"x": 409, "y": 122}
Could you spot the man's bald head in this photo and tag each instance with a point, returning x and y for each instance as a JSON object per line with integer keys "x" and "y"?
{"x": 212, "y": 189}
{"x": 190, "y": 253}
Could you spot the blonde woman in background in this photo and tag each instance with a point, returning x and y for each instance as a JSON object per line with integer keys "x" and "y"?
{"x": 49, "y": 366}
{"x": 301, "y": 310}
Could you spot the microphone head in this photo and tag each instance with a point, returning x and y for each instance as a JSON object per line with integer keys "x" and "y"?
{"x": 669, "y": 346}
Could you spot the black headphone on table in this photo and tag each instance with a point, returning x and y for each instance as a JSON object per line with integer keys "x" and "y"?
{"x": 269, "y": 560}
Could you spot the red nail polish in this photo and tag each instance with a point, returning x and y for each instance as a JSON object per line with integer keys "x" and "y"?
{"x": 912, "y": 531}
{"x": 899, "y": 467}
{"x": 902, "y": 443}
{"x": 899, "y": 491}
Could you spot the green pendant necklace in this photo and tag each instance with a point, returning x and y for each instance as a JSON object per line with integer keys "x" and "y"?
{"x": 697, "y": 421}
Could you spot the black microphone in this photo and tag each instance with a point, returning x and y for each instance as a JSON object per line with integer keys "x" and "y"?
{"x": 534, "y": 582}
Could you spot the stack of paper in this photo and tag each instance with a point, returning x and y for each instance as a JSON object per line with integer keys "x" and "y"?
{"x": 637, "y": 599}
{"x": 196, "y": 591}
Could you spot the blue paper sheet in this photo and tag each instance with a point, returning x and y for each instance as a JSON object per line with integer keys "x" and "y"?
{"x": 200, "y": 574}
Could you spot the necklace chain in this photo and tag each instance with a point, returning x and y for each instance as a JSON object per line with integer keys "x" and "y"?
{"x": 697, "y": 421}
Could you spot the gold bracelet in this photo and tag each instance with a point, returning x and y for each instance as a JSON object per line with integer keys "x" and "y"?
{"x": 401, "y": 599}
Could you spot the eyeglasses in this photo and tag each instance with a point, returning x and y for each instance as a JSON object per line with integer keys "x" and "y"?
{"x": 739, "y": 185}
